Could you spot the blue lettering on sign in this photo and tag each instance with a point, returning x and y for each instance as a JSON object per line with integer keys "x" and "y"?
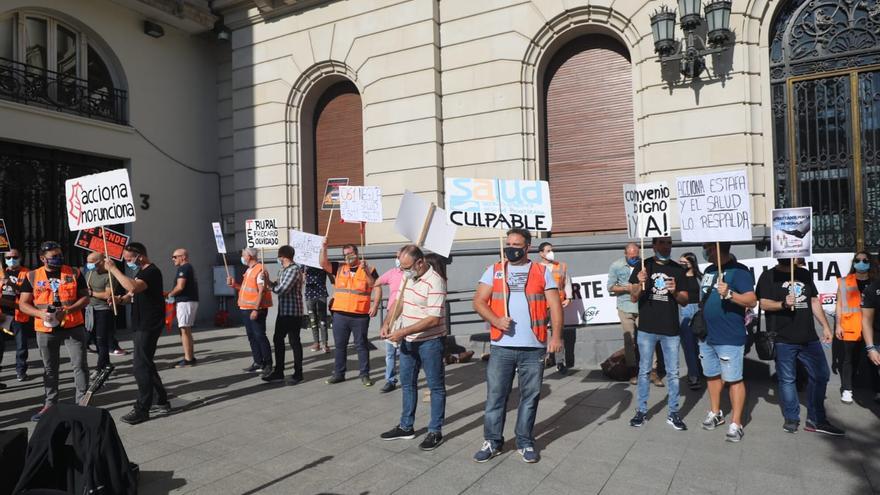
{"x": 468, "y": 194}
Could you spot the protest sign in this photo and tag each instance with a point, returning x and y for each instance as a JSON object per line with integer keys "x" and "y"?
{"x": 93, "y": 240}
{"x": 791, "y": 232}
{"x": 307, "y": 248}
{"x": 647, "y": 209}
{"x": 360, "y": 203}
{"x": 499, "y": 204}
{"x": 218, "y": 238}
{"x": 99, "y": 199}
{"x": 261, "y": 233}
{"x": 5, "y": 242}
{"x": 591, "y": 304}
{"x": 411, "y": 220}
{"x": 331, "y": 193}
{"x": 715, "y": 207}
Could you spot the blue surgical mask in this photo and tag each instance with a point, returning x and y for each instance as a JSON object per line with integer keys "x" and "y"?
{"x": 862, "y": 266}
{"x": 243, "y": 261}
{"x": 632, "y": 261}
{"x": 90, "y": 266}
{"x": 660, "y": 257}
{"x": 11, "y": 262}
{"x": 131, "y": 266}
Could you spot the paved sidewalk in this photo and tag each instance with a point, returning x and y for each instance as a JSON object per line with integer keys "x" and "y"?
{"x": 238, "y": 435}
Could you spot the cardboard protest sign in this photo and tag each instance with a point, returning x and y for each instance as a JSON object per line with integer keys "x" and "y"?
{"x": 792, "y": 232}
{"x": 499, "y": 204}
{"x": 5, "y": 242}
{"x": 331, "y": 193}
{"x": 261, "y": 233}
{"x": 411, "y": 220}
{"x": 361, "y": 203}
{"x": 715, "y": 207}
{"x": 591, "y": 303}
{"x": 218, "y": 238}
{"x": 99, "y": 199}
{"x": 307, "y": 248}
{"x": 92, "y": 240}
{"x": 647, "y": 209}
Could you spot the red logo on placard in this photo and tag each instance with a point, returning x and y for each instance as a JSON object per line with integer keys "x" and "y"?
{"x": 74, "y": 204}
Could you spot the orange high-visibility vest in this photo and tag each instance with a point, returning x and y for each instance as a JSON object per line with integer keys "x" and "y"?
{"x": 851, "y": 308}
{"x": 352, "y": 291}
{"x": 534, "y": 296}
{"x": 17, "y": 278}
{"x": 249, "y": 294}
{"x": 556, "y": 269}
{"x": 67, "y": 294}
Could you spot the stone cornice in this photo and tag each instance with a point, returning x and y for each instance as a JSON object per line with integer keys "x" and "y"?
{"x": 266, "y": 10}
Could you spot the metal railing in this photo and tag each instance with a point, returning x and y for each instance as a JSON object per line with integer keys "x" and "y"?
{"x": 31, "y": 85}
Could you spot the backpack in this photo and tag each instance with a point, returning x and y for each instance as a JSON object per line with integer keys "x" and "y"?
{"x": 615, "y": 366}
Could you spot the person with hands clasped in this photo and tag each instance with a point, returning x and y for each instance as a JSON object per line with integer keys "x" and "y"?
{"x": 520, "y": 301}
{"x": 254, "y": 301}
{"x": 659, "y": 289}
{"x": 790, "y": 307}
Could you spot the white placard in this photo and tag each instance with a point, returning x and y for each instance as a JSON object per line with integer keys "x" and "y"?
{"x": 792, "y": 232}
{"x": 715, "y": 207}
{"x": 499, "y": 204}
{"x": 307, "y": 248}
{"x": 218, "y": 238}
{"x": 99, "y": 199}
{"x": 647, "y": 210}
{"x": 361, "y": 203}
{"x": 411, "y": 218}
{"x": 261, "y": 233}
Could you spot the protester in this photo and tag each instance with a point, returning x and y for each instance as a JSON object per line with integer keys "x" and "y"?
{"x": 871, "y": 324}
{"x": 185, "y": 296}
{"x": 288, "y": 323}
{"x": 532, "y": 299}
{"x": 316, "y": 305}
{"x": 790, "y": 309}
{"x": 254, "y": 302}
{"x": 100, "y": 292}
{"x": 560, "y": 274}
{"x": 689, "y": 345}
{"x": 418, "y": 327}
{"x": 351, "y": 310}
{"x": 721, "y": 354}
{"x": 628, "y": 311}
{"x": 22, "y": 324}
{"x": 55, "y": 295}
{"x": 659, "y": 289}
{"x": 849, "y": 321}
{"x": 148, "y": 320}
{"x": 392, "y": 278}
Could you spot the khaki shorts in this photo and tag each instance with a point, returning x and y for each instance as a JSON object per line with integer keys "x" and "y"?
{"x": 186, "y": 313}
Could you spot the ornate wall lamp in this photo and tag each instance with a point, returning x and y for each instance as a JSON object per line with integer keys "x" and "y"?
{"x": 693, "y": 48}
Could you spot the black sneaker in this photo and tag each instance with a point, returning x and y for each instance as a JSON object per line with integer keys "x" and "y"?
{"x": 272, "y": 377}
{"x": 639, "y": 419}
{"x": 825, "y": 427}
{"x": 432, "y": 440}
{"x": 367, "y": 381}
{"x": 253, "y": 368}
{"x": 294, "y": 380}
{"x": 183, "y": 363}
{"x": 398, "y": 433}
{"x": 675, "y": 421}
{"x": 388, "y": 387}
{"x": 334, "y": 379}
{"x": 267, "y": 369}
{"x": 791, "y": 425}
{"x": 136, "y": 417}
{"x": 21, "y": 376}
{"x": 561, "y": 369}
{"x": 694, "y": 383}
{"x": 161, "y": 409}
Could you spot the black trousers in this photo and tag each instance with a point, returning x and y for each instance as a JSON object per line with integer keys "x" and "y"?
{"x": 145, "y": 373}
{"x": 854, "y": 360}
{"x": 288, "y": 326}
{"x": 104, "y": 322}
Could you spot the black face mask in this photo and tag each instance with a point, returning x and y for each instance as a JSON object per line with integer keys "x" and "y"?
{"x": 514, "y": 254}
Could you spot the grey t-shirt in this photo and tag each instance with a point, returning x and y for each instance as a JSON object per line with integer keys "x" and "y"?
{"x": 98, "y": 282}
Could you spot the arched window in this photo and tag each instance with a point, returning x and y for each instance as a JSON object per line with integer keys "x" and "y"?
{"x": 825, "y": 89}
{"x": 48, "y": 62}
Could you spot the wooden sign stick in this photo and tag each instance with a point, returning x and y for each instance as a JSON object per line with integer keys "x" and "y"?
{"x": 503, "y": 274}
{"x": 642, "y": 256}
{"x": 329, "y": 222}
{"x": 718, "y": 256}
{"x": 109, "y": 274}
{"x": 226, "y": 265}
{"x": 422, "y": 236}
{"x": 791, "y": 286}
{"x": 363, "y": 255}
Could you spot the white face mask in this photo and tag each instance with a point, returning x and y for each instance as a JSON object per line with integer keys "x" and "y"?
{"x": 550, "y": 256}
{"x": 396, "y": 263}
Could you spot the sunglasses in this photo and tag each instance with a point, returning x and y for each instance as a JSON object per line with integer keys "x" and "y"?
{"x": 174, "y": 257}
{"x": 11, "y": 257}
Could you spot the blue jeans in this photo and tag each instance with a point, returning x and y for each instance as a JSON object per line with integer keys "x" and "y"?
{"x": 427, "y": 355}
{"x": 504, "y": 363}
{"x": 256, "y": 334}
{"x": 669, "y": 345}
{"x": 688, "y": 341}
{"x": 391, "y": 352}
{"x": 812, "y": 356}
{"x": 22, "y": 332}
{"x": 345, "y": 327}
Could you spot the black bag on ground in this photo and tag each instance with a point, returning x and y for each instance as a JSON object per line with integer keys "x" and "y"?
{"x": 765, "y": 345}
{"x": 615, "y": 366}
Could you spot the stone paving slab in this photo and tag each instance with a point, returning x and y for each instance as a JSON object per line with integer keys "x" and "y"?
{"x": 234, "y": 434}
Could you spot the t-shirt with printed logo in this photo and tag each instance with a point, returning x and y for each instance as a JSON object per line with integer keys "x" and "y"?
{"x": 658, "y": 309}
{"x": 791, "y": 327}
{"x": 520, "y": 333}
{"x": 190, "y": 291}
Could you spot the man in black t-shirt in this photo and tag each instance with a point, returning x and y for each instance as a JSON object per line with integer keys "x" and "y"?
{"x": 659, "y": 289}
{"x": 871, "y": 324}
{"x": 185, "y": 296}
{"x": 790, "y": 308}
{"x": 148, "y": 319}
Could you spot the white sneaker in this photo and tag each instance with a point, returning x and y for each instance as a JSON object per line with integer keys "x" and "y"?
{"x": 734, "y": 433}
{"x": 846, "y": 397}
